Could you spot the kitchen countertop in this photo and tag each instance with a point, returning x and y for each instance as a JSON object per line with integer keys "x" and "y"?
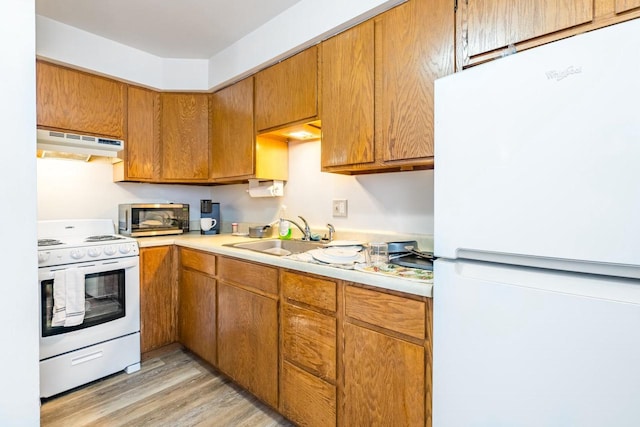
{"x": 215, "y": 244}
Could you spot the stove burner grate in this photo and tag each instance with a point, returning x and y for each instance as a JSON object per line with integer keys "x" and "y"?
{"x": 49, "y": 242}
{"x": 102, "y": 238}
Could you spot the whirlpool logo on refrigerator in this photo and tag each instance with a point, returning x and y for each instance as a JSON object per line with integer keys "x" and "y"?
{"x": 563, "y": 74}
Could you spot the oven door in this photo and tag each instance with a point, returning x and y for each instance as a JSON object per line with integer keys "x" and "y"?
{"x": 112, "y": 305}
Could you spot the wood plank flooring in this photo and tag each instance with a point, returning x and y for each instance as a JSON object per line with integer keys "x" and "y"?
{"x": 174, "y": 388}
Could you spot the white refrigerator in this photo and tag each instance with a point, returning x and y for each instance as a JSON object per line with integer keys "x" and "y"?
{"x": 537, "y": 237}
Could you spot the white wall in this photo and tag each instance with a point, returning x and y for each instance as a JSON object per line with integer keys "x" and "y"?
{"x": 305, "y": 23}
{"x": 69, "y": 189}
{"x": 395, "y": 202}
{"x": 390, "y": 202}
{"x": 19, "y": 402}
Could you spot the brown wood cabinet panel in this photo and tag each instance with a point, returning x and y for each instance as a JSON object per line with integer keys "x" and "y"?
{"x": 248, "y": 340}
{"x": 79, "y": 102}
{"x": 316, "y": 292}
{"x": 197, "y": 260}
{"x": 414, "y": 47}
{"x": 384, "y": 380}
{"x": 246, "y": 274}
{"x": 309, "y": 340}
{"x": 347, "y": 70}
{"x": 403, "y": 315}
{"x": 485, "y": 26}
{"x": 197, "y": 314}
{"x": 287, "y": 92}
{"x": 307, "y": 400}
{"x": 626, "y": 5}
{"x": 185, "y": 136}
{"x": 158, "y": 295}
{"x": 233, "y": 131}
{"x": 142, "y": 147}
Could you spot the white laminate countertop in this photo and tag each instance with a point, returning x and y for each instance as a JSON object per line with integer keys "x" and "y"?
{"x": 215, "y": 244}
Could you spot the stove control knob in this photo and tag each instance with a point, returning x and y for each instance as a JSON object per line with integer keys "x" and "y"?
{"x": 124, "y": 249}
{"x": 77, "y": 253}
{"x": 109, "y": 250}
{"x": 43, "y": 256}
{"x": 94, "y": 252}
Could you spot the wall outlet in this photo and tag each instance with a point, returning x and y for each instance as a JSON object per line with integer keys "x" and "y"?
{"x": 340, "y": 208}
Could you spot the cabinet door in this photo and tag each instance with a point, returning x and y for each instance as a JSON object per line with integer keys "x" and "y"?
{"x": 158, "y": 296}
{"x": 248, "y": 340}
{"x": 185, "y": 137}
{"x": 142, "y": 148}
{"x": 626, "y": 5}
{"x": 414, "y": 46}
{"x": 384, "y": 379}
{"x": 197, "y": 314}
{"x": 485, "y": 26}
{"x": 347, "y": 69}
{"x": 79, "y": 102}
{"x": 232, "y": 131}
{"x": 288, "y": 91}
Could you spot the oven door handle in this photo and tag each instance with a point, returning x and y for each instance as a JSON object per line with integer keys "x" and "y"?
{"x": 98, "y": 266}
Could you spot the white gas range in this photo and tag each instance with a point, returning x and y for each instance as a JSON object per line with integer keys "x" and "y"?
{"x": 88, "y": 281}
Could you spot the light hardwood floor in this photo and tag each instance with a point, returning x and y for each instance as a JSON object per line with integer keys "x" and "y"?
{"x": 174, "y": 388}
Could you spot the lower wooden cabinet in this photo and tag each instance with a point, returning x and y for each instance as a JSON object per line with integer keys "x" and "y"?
{"x": 387, "y": 374}
{"x": 248, "y": 328}
{"x": 321, "y": 351}
{"x": 158, "y": 295}
{"x": 309, "y": 368}
{"x": 197, "y": 304}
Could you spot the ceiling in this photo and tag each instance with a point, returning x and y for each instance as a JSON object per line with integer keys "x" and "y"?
{"x": 195, "y": 29}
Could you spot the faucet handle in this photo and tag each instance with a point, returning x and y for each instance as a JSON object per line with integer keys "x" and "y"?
{"x": 332, "y": 230}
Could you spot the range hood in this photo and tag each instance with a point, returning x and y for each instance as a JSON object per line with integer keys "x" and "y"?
{"x": 77, "y": 146}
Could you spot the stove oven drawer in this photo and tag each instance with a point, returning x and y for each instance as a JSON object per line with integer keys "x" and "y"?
{"x": 64, "y": 372}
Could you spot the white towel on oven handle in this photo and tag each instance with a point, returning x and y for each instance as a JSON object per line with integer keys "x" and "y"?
{"x": 68, "y": 298}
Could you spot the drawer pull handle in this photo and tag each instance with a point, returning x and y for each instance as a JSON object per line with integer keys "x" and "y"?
{"x": 86, "y": 358}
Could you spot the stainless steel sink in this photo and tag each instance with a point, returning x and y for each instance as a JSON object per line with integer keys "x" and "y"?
{"x": 278, "y": 247}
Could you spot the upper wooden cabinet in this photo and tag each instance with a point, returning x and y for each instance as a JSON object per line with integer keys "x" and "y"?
{"x": 141, "y": 156}
{"x": 347, "y": 69}
{"x": 237, "y": 154}
{"x": 75, "y": 101}
{"x": 626, "y": 5}
{"x": 487, "y": 28}
{"x": 377, "y": 88}
{"x": 185, "y": 137}
{"x": 287, "y": 92}
{"x": 233, "y": 131}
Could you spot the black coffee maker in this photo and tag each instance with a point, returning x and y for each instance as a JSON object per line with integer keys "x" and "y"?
{"x": 211, "y": 210}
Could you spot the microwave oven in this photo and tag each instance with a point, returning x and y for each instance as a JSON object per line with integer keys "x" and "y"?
{"x": 153, "y": 219}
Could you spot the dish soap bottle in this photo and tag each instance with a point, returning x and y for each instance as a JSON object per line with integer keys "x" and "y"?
{"x": 284, "y": 227}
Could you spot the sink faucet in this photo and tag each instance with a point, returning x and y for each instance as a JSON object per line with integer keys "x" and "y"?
{"x": 332, "y": 231}
{"x": 306, "y": 231}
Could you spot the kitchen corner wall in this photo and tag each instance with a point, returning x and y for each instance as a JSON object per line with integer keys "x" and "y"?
{"x": 396, "y": 202}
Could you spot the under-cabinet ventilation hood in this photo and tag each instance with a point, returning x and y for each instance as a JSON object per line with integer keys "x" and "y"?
{"x": 72, "y": 145}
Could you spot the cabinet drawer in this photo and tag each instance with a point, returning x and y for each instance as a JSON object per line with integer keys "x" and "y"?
{"x": 309, "y": 290}
{"x": 306, "y": 399}
{"x": 403, "y": 315}
{"x": 250, "y": 275}
{"x": 200, "y": 261}
{"x": 309, "y": 339}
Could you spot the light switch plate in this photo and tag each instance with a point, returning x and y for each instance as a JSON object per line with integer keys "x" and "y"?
{"x": 340, "y": 208}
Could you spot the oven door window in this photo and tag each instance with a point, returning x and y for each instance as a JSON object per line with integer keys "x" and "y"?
{"x": 104, "y": 301}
